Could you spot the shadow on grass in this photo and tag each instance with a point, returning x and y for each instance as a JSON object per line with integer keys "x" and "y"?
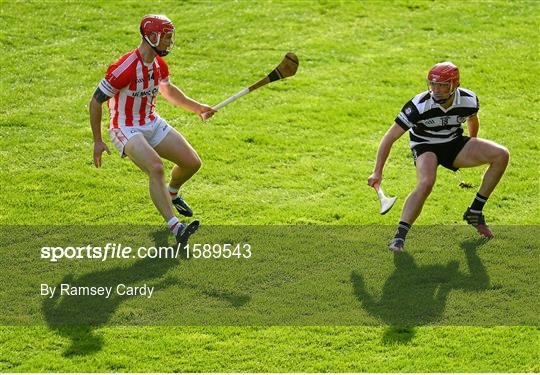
{"x": 416, "y": 295}
{"x": 77, "y": 317}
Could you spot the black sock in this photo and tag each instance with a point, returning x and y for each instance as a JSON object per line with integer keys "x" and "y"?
{"x": 478, "y": 203}
{"x": 402, "y": 230}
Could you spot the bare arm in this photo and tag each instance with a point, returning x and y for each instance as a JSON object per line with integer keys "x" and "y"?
{"x": 175, "y": 96}
{"x": 473, "y": 124}
{"x": 385, "y": 146}
{"x": 95, "y": 123}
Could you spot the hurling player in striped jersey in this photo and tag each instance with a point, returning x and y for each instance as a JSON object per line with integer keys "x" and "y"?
{"x": 130, "y": 88}
{"x": 434, "y": 120}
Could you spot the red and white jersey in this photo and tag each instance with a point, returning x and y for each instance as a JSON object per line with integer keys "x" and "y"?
{"x": 133, "y": 85}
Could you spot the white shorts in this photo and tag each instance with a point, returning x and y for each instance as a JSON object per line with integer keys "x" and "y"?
{"x": 154, "y": 132}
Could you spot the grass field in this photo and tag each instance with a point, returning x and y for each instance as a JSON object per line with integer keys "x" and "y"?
{"x": 296, "y": 152}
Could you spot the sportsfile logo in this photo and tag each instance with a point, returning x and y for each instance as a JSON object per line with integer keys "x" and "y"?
{"x": 109, "y": 251}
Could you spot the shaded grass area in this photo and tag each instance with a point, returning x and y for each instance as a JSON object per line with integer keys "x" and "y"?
{"x": 274, "y": 275}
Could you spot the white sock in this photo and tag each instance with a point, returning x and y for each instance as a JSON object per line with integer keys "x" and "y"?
{"x": 173, "y": 192}
{"x": 174, "y": 225}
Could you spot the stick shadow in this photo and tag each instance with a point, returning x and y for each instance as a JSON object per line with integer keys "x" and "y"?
{"x": 416, "y": 295}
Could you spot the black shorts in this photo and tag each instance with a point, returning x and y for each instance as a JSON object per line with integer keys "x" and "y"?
{"x": 446, "y": 152}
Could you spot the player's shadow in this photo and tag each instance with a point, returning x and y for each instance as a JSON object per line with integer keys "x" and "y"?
{"x": 77, "y": 317}
{"x": 416, "y": 295}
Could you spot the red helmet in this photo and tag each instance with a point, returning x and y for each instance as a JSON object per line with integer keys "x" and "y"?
{"x": 153, "y": 28}
{"x": 443, "y": 80}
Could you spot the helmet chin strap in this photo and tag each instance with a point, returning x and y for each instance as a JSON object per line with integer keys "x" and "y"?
{"x": 439, "y": 101}
{"x": 160, "y": 53}
{"x": 442, "y": 101}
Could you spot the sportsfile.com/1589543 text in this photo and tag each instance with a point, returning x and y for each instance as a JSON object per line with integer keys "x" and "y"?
{"x": 119, "y": 251}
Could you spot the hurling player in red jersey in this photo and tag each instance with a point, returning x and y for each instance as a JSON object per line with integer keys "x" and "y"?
{"x": 433, "y": 119}
{"x": 130, "y": 89}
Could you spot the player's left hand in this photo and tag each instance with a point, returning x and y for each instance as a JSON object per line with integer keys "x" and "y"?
{"x": 205, "y": 112}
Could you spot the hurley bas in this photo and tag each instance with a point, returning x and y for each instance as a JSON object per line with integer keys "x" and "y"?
{"x": 102, "y": 291}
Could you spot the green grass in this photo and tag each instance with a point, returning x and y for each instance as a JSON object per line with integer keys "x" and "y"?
{"x": 275, "y": 349}
{"x": 296, "y": 152}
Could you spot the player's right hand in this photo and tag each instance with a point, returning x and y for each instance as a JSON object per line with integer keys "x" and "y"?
{"x": 205, "y": 112}
{"x": 99, "y": 147}
{"x": 374, "y": 180}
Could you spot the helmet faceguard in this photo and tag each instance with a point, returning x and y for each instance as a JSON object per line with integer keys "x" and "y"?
{"x": 443, "y": 80}
{"x": 156, "y": 29}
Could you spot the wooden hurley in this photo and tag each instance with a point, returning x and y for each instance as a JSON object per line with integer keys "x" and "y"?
{"x": 286, "y": 68}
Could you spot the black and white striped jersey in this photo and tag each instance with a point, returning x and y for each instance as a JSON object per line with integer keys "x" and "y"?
{"x": 430, "y": 123}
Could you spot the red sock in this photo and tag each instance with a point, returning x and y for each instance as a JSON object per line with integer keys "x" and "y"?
{"x": 173, "y": 192}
